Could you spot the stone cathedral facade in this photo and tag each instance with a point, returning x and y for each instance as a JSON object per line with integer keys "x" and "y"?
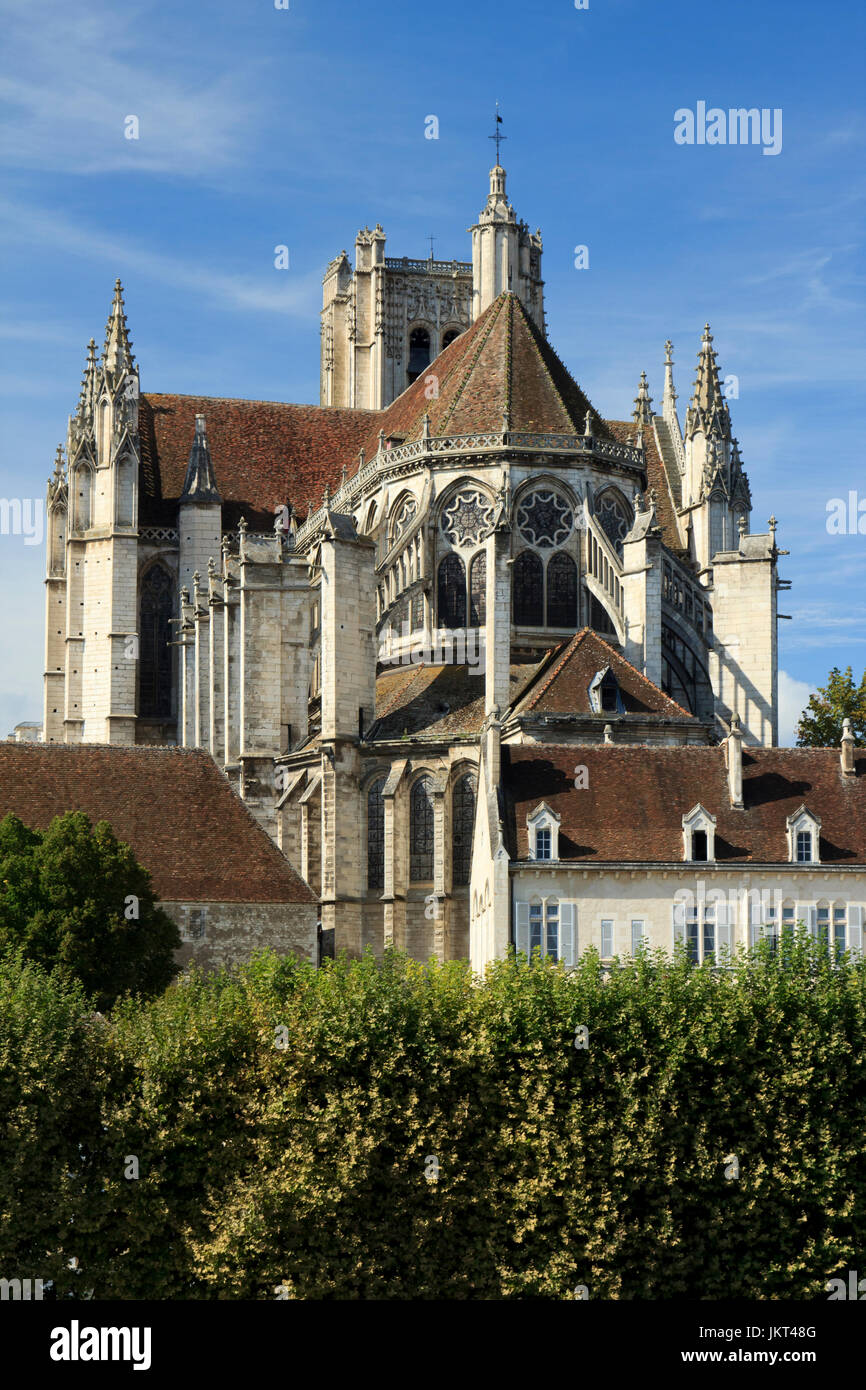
{"x": 415, "y": 622}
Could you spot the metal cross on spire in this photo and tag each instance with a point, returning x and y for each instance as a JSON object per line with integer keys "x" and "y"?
{"x": 498, "y": 137}
{"x": 431, "y": 240}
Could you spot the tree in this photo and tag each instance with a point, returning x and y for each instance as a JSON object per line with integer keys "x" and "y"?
{"x": 75, "y": 897}
{"x": 821, "y": 722}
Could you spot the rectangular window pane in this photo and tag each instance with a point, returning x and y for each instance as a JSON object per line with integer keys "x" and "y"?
{"x": 607, "y": 938}
{"x": 542, "y": 844}
{"x": 534, "y": 928}
{"x": 692, "y": 938}
{"x": 839, "y": 923}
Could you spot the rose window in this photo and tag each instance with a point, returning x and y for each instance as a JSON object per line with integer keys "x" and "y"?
{"x": 466, "y": 519}
{"x": 545, "y": 519}
{"x": 615, "y": 519}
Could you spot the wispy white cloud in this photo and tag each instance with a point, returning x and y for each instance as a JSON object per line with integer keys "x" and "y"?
{"x": 793, "y": 699}
{"x": 71, "y": 77}
{"x": 265, "y": 290}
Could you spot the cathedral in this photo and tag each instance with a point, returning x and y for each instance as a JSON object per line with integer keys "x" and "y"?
{"x": 488, "y": 667}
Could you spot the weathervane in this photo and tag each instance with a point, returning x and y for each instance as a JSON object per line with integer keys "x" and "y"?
{"x": 498, "y": 137}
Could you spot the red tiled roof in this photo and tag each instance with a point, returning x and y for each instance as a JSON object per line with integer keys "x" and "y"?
{"x": 656, "y": 478}
{"x": 632, "y": 808}
{"x": 435, "y": 701}
{"x": 175, "y": 808}
{"x": 562, "y": 686}
{"x": 503, "y": 363}
{"x": 264, "y": 454}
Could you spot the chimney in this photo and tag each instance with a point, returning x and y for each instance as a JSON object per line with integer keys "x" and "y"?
{"x": 847, "y": 749}
{"x": 734, "y": 755}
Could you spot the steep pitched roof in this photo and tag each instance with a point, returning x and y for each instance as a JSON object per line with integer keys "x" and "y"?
{"x": 172, "y": 805}
{"x": 631, "y": 807}
{"x": 264, "y": 453}
{"x": 657, "y": 479}
{"x": 501, "y": 365}
{"x": 435, "y": 701}
{"x": 562, "y": 683}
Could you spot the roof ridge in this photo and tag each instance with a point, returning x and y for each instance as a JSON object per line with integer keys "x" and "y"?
{"x": 483, "y": 339}
{"x": 536, "y": 344}
{"x": 249, "y": 400}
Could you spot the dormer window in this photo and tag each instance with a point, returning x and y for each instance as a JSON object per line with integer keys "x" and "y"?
{"x": 699, "y": 836}
{"x": 542, "y": 827}
{"x": 605, "y": 696}
{"x": 804, "y": 837}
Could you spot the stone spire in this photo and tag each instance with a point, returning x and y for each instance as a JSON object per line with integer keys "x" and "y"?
{"x": 89, "y": 388}
{"x": 669, "y": 399}
{"x": 117, "y": 354}
{"x": 200, "y": 483}
{"x": 708, "y": 410}
{"x": 643, "y": 404}
{"x": 506, "y": 256}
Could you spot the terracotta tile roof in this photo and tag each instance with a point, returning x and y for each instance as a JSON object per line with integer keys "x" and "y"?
{"x": 172, "y": 805}
{"x": 632, "y": 809}
{"x": 264, "y": 454}
{"x": 502, "y": 363}
{"x": 656, "y": 478}
{"x": 437, "y": 701}
{"x": 562, "y": 683}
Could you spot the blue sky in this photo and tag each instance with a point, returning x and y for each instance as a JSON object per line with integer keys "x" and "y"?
{"x": 261, "y": 127}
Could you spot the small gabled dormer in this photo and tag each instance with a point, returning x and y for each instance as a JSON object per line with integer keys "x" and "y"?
{"x": 699, "y": 836}
{"x": 804, "y": 837}
{"x": 605, "y": 696}
{"x": 542, "y": 827}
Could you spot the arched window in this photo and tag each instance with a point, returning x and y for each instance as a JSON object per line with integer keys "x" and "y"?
{"x": 376, "y": 836}
{"x": 154, "y": 667}
{"x": 419, "y": 353}
{"x": 421, "y": 831}
{"x": 452, "y": 592}
{"x": 528, "y": 590}
{"x": 462, "y": 826}
{"x": 561, "y": 591}
{"x": 615, "y": 516}
{"x": 478, "y": 590}
{"x": 450, "y": 337}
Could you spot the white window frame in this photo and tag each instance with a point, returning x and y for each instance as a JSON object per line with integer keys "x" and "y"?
{"x": 640, "y": 923}
{"x": 699, "y": 818}
{"x": 543, "y": 818}
{"x": 552, "y": 909}
{"x": 797, "y": 824}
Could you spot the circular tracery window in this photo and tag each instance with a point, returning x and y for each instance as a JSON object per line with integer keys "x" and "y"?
{"x": 467, "y": 517}
{"x": 615, "y": 519}
{"x": 545, "y": 519}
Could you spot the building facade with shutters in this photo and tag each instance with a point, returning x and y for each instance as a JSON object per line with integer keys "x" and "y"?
{"x": 363, "y": 610}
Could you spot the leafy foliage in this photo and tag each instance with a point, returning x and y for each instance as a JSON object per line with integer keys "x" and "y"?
{"x": 386, "y": 1130}
{"x": 841, "y": 698}
{"x": 75, "y": 897}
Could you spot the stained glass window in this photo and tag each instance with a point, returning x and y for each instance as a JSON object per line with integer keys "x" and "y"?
{"x": 419, "y": 352}
{"x": 452, "y": 592}
{"x": 157, "y": 609}
{"x": 545, "y": 519}
{"x": 478, "y": 590}
{"x": 528, "y": 590}
{"x": 402, "y": 517}
{"x": 561, "y": 591}
{"x": 468, "y": 517}
{"x": 421, "y": 830}
{"x": 615, "y": 517}
{"x": 376, "y": 836}
{"x": 417, "y": 611}
{"x": 463, "y": 824}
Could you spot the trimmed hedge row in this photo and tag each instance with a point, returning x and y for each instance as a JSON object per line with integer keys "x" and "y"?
{"x": 383, "y": 1129}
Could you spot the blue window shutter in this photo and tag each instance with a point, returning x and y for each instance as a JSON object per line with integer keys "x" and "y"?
{"x": 521, "y": 928}
{"x": 855, "y": 931}
{"x": 567, "y": 933}
{"x": 724, "y": 931}
{"x": 755, "y": 920}
{"x": 679, "y": 920}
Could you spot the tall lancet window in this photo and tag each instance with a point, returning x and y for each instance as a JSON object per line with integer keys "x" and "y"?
{"x": 154, "y": 666}
{"x": 478, "y": 590}
{"x": 376, "y": 836}
{"x": 463, "y": 825}
{"x": 452, "y": 592}
{"x": 561, "y": 591}
{"x": 421, "y": 831}
{"x": 419, "y": 353}
{"x": 528, "y": 590}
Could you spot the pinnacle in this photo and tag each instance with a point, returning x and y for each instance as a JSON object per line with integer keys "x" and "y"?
{"x": 643, "y": 412}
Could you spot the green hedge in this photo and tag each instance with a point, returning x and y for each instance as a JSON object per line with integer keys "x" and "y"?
{"x": 287, "y": 1125}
